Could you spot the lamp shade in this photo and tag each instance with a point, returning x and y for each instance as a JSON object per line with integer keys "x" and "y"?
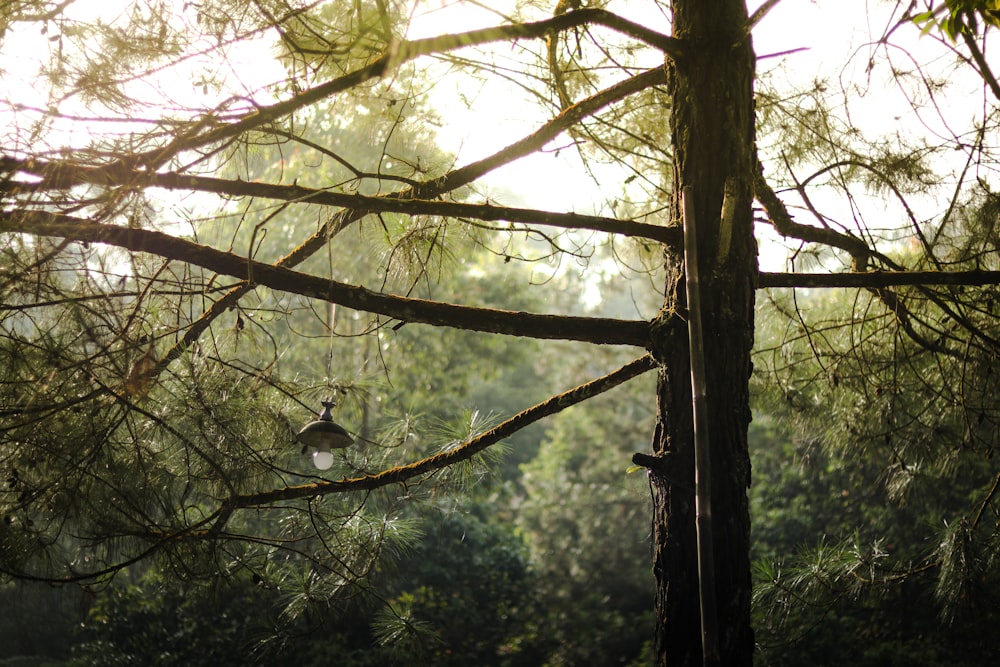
{"x": 324, "y": 434}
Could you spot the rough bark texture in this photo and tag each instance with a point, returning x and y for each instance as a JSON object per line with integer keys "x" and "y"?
{"x": 712, "y": 128}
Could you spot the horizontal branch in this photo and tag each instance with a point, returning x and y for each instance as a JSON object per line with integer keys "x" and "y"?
{"x": 878, "y": 279}
{"x": 64, "y": 174}
{"x": 669, "y": 236}
{"x": 601, "y": 331}
{"x": 462, "y": 452}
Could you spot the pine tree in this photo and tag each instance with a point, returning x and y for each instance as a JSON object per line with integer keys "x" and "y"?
{"x": 151, "y": 385}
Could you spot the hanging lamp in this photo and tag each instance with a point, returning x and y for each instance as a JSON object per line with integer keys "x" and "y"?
{"x": 323, "y": 436}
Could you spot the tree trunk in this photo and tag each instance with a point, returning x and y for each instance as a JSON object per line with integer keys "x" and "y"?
{"x": 712, "y": 123}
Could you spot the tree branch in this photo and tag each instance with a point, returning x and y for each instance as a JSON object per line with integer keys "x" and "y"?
{"x": 878, "y": 279}
{"x": 396, "y": 55}
{"x": 62, "y": 175}
{"x": 761, "y": 12}
{"x": 462, "y": 452}
{"x": 549, "y": 131}
{"x": 984, "y": 68}
{"x": 585, "y": 329}
{"x": 784, "y": 224}
{"x": 393, "y": 203}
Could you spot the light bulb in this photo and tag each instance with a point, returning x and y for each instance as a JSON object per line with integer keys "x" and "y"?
{"x": 323, "y": 459}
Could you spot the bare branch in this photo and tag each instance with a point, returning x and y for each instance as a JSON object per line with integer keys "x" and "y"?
{"x": 761, "y": 12}
{"x": 462, "y": 452}
{"x": 786, "y": 226}
{"x": 394, "y": 203}
{"x": 585, "y": 329}
{"x": 981, "y": 64}
{"x": 396, "y": 55}
{"x": 878, "y": 279}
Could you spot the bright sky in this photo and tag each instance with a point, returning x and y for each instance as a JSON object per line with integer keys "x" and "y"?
{"x": 504, "y": 110}
{"x": 789, "y": 27}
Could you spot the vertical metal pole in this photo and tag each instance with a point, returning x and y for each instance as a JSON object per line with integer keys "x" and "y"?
{"x": 702, "y": 459}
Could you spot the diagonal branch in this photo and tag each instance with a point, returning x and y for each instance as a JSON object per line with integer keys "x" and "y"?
{"x": 784, "y": 224}
{"x": 63, "y": 175}
{"x": 54, "y": 176}
{"x": 552, "y": 129}
{"x": 462, "y": 452}
{"x": 759, "y": 15}
{"x": 981, "y": 64}
{"x": 430, "y": 190}
{"x": 213, "y": 526}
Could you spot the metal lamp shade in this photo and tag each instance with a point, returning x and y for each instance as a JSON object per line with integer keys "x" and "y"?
{"x": 324, "y": 434}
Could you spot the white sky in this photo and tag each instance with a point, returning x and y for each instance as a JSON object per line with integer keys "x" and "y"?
{"x": 792, "y": 24}
{"x": 534, "y": 181}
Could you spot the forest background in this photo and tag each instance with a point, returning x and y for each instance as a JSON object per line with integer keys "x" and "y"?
{"x": 137, "y": 394}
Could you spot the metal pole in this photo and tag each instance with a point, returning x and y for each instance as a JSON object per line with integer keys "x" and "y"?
{"x": 702, "y": 462}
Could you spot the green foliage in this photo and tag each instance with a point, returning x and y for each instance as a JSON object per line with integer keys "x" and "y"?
{"x": 338, "y": 38}
{"x": 873, "y": 479}
{"x": 156, "y": 621}
{"x": 586, "y": 523}
{"x": 969, "y": 575}
{"x": 872, "y": 473}
{"x": 467, "y": 595}
{"x": 836, "y": 557}
{"x": 960, "y": 17}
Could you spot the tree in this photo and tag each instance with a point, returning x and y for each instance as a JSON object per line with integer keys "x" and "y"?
{"x": 586, "y": 524}
{"x": 136, "y": 426}
{"x": 151, "y": 621}
{"x": 838, "y": 553}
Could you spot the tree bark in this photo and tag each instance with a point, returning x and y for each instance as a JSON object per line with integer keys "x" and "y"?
{"x": 712, "y": 128}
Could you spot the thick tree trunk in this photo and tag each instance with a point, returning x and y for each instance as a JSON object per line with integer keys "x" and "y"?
{"x": 713, "y": 130}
